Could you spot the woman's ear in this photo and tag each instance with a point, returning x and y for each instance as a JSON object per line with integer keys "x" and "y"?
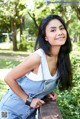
{"x": 46, "y": 39}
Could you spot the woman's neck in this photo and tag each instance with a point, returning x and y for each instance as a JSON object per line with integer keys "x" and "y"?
{"x": 55, "y": 51}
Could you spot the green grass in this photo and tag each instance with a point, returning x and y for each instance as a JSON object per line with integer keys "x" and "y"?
{"x": 11, "y": 58}
{"x": 8, "y": 63}
{"x": 3, "y": 88}
{"x": 13, "y": 53}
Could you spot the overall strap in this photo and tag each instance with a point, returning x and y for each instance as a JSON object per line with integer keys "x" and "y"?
{"x": 42, "y": 68}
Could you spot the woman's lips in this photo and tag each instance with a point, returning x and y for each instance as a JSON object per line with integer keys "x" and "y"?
{"x": 60, "y": 38}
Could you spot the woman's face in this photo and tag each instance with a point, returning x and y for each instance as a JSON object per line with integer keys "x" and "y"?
{"x": 56, "y": 34}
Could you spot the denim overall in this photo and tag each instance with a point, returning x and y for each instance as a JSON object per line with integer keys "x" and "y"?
{"x": 15, "y": 107}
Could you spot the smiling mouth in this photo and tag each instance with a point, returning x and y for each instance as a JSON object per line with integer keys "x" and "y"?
{"x": 60, "y": 38}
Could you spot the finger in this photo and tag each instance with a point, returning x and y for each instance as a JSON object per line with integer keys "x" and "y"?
{"x": 52, "y": 97}
{"x": 55, "y": 95}
{"x": 41, "y": 101}
{"x": 39, "y": 104}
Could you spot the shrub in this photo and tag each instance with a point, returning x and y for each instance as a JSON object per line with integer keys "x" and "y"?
{"x": 25, "y": 44}
{"x": 69, "y": 101}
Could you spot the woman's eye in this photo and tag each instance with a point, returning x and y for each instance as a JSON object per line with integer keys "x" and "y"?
{"x": 53, "y": 30}
{"x": 62, "y": 28}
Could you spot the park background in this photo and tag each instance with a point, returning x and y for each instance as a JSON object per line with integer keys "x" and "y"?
{"x": 19, "y": 21}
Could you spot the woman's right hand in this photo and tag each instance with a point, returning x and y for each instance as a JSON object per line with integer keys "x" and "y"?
{"x": 36, "y": 102}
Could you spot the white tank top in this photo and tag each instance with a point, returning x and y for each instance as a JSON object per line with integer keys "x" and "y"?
{"x": 43, "y": 71}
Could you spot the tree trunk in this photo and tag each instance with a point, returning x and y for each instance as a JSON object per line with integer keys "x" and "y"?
{"x": 13, "y": 27}
{"x": 21, "y": 26}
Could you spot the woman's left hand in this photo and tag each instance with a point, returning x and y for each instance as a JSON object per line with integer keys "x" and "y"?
{"x": 52, "y": 95}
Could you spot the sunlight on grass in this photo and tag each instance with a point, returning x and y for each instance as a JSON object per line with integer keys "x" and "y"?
{"x": 7, "y": 63}
{"x": 3, "y": 88}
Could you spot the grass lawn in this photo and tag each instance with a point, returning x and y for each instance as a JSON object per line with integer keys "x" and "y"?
{"x": 3, "y": 88}
{"x": 13, "y": 53}
{"x": 8, "y": 63}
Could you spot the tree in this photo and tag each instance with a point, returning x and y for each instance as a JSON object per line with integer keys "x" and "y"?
{"x": 19, "y": 13}
{"x": 10, "y": 18}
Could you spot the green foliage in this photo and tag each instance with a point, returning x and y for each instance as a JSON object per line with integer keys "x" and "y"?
{"x": 25, "y": 44}
{"x": 69, "y": 101}
{"x": 33, "y": 12}
{"x": 30, "y": 28}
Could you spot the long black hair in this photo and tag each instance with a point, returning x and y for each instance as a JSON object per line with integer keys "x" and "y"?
{"x": 63, "y": 64}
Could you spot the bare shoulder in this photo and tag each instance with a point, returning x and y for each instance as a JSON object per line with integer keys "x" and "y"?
{"x": 32, "y": 60}
{"x": 30, "y": 63}
{"x": 34, "y": 57}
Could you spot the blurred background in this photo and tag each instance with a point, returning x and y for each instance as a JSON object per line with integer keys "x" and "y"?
{"x": 19, "y": 21}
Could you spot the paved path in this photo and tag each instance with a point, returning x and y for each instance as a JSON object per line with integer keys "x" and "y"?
{"x": 20, "y": 58}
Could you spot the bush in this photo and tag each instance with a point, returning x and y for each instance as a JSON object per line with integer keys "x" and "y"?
{"x": 25, "y": 44}
{"x": 69, "y": 101}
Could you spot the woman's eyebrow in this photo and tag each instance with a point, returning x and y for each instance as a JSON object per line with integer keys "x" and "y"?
{"x": 61, "y": 25}
{"x": 54, "y": 27}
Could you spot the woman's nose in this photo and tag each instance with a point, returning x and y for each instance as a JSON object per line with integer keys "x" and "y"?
{"x": 59, "y": 32}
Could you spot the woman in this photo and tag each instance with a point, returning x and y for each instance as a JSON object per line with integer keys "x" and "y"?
{"x": 38, "y": 75}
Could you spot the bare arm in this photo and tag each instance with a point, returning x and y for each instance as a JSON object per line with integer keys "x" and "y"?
{"x": 29, "y": 64}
